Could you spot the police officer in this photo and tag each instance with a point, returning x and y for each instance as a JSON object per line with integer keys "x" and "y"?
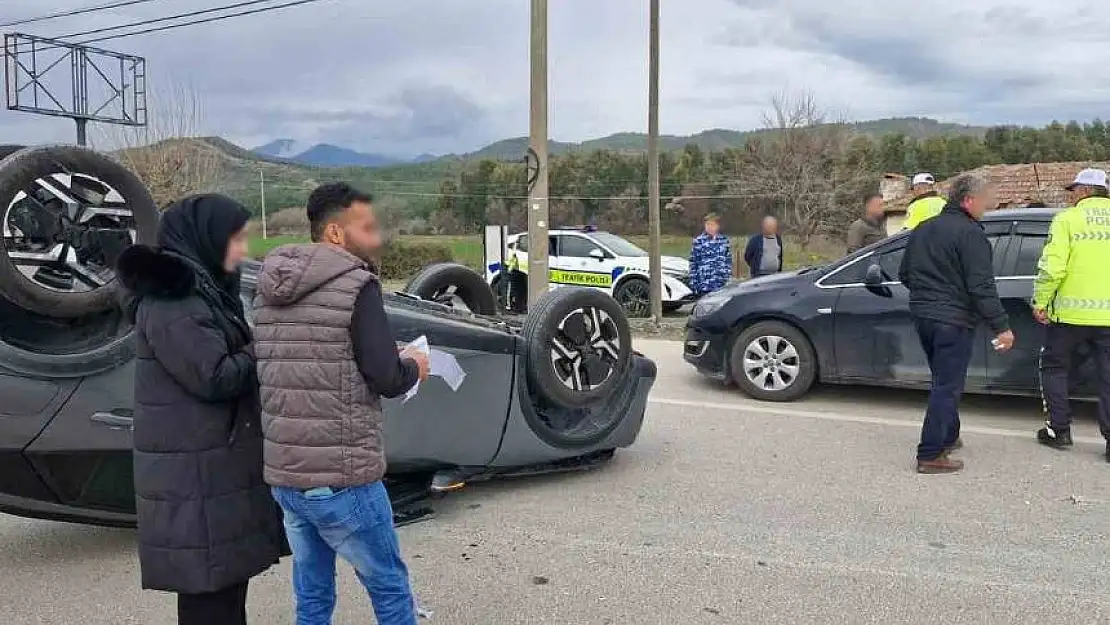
{"x": 517, "y": 283}
{"x": 926, "y": 203}
{"x": 1071, "y": 295}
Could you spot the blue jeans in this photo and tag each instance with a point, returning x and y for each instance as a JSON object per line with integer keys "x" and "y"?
{"x": 357, "y": 524}
{"x": 948, "y": 349}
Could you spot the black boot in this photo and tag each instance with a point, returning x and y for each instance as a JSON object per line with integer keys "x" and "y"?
{"x": 1056, "y": 438}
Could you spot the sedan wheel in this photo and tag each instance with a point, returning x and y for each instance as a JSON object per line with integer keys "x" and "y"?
{"x": 773, "y": 361}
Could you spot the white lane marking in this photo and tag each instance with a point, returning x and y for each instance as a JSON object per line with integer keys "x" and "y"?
{"x": 828, "y": 415}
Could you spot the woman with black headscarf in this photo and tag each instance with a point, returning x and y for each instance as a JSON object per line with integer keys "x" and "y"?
{"x": 207, "y": 522}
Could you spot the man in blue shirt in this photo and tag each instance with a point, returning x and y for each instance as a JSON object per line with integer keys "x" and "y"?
{"x": 710, "y": 258}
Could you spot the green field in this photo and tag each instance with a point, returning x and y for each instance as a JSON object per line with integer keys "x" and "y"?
{"x": 467, "y": 249}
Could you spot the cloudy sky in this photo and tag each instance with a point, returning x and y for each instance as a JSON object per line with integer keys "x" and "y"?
{"x": 413, "y": 76}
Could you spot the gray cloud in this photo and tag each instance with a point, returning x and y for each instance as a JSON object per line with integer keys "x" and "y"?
{"x": 451, "y": 75}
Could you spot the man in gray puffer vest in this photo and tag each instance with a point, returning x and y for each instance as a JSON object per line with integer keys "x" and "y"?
{"x": 325, "y": 357}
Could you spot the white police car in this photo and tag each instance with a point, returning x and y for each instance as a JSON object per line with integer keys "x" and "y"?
{"x": 587, "y": 257}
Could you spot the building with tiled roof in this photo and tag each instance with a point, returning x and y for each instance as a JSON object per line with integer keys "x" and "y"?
{"x": 1018, "y": 185}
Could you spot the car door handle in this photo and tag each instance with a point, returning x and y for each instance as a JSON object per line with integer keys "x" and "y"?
{"x": 121, "y": 418}
{"x": 824, "y": 311}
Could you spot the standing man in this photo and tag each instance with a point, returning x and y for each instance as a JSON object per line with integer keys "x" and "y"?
{"x": 763, "y": 253}
{"x": 871, "y": 228}
{"x": 948, "y": 270}
{"x": 326, "y": 356}
{"x": 1072, "y": 295}
{"x": 710, "y": 258}
{"x": 926, "y": 203}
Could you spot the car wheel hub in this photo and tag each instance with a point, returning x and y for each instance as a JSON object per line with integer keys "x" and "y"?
{"x": 585, "y": 349}
{"x": 636, "y": 298}
{"x": 771, "y": 363}
{"x": 65, "y": 231}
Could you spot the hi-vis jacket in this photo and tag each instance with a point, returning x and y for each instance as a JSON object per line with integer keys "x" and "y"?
{"x": 1072, "y": 283}
{"x": 924, "y": 207}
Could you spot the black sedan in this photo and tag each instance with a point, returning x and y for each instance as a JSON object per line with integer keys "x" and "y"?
{"x": 848, "y": 323}
{"x": 559, "y": 391}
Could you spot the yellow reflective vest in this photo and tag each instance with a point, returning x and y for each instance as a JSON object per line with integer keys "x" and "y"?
{"x": 1072, "y": 281}
{"x": 923, "y": 208}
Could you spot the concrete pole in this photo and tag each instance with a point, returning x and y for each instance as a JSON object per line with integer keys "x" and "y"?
{"x": 653, "y": 167}
{"x": 262, "y": 193}
{"x": 537, "y": 195}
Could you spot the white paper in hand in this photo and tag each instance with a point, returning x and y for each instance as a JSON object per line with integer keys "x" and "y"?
{"x": 447, "y": 367}
{"x": 440, "y": 363}
{"x": 420, "y": 344}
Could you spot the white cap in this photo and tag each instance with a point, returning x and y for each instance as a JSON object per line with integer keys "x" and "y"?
{"x": 924, "y": 178}
{"x": 1090, "y": 177}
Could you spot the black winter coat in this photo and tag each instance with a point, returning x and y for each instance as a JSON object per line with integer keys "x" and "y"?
{"x": 948, "y": 268}
{"x": 207, "y": 521}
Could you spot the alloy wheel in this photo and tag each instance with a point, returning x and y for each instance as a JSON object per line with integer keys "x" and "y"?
{"x": 771, "y": 363}
{"x": 635, "y": 298}
{"x": 585, "y": 350}
{"x": 65, "y": 231}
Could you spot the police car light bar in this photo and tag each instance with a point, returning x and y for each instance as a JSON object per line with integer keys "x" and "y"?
{"x": 590, "y": 228}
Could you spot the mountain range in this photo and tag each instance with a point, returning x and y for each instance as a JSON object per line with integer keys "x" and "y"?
{"x": 328, "y": 155}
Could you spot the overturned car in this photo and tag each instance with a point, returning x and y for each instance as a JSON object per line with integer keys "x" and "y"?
{"x": 559, "y": 390}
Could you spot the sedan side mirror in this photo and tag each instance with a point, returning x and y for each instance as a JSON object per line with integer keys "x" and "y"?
{"x": 597, "y": 253}
{"x": 874, "y": 276}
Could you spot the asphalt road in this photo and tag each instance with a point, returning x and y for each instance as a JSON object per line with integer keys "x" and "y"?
{"x": 726, "y": 511}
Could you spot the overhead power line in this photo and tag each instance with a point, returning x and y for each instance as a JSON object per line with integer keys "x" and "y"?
{"x": 200, "y": 21}
{"x": 72, "y": 12}
{"x": 159, "y": 20}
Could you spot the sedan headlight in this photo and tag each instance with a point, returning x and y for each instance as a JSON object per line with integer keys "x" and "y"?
{"x": 710, "y": 304}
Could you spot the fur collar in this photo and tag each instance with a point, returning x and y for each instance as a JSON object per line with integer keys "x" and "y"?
{"x": 146, "y": 271}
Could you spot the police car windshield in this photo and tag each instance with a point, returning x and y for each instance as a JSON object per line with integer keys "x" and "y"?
{"x": 617, "y": 245}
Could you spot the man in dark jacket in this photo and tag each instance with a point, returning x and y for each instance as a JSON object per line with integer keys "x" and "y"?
{"x": 326, "y": 357}
{"x": 871, "y": 228}
{"x": 764, "y": 252}
{"x": 947, "y": 267}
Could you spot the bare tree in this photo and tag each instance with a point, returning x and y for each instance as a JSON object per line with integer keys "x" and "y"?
{"x": 798, "y": 161}
{"x": 166, "y": 153}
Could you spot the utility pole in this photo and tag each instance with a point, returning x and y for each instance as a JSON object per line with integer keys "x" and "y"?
{"x": 262, "y": 192}
{"x": 653, "y": 167}
{"x": 537, "y": 194}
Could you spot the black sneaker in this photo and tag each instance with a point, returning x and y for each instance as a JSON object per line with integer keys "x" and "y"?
{"x": 1055, "y": 438}
{"x": 1108, "y": 451}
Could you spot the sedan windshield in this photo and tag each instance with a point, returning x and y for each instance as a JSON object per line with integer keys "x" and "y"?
{"x": 617, "y": 245}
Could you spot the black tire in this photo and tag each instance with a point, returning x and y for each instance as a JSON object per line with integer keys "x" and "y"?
{"x": 105, "y": 357}
{"x": 790, "y": 367}
{"x": 444, "y": 281}
{"x": 634, "y": 296}
{"x": 19, "y": 172}
{"x": 578, "y": 346}
{"x": 8, "y": 150}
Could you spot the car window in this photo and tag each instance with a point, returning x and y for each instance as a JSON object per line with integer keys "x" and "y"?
{"x": 890, "y": 262}
{"x": 522, "y": 243}
{"x": 852, "y": 274}
{"x": 576, "y": 247}
{"x": 1028, "y": 253}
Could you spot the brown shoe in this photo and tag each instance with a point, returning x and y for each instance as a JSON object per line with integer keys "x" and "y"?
{"x": 943, "y": 464}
